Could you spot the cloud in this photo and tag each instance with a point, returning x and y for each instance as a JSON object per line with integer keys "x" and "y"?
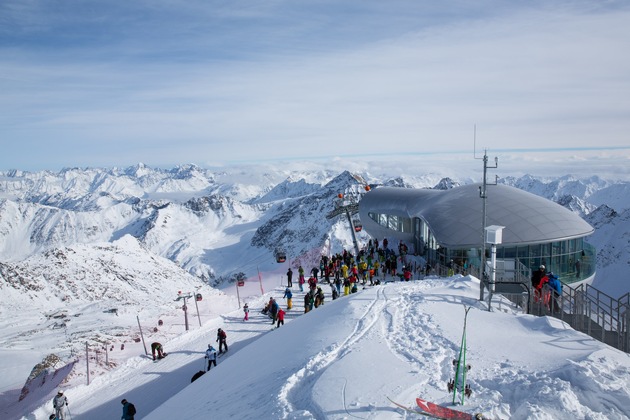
{"x": 282, "y": 81}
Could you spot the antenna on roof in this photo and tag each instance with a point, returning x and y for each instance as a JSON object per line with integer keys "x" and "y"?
{"x": 483, "y": 195}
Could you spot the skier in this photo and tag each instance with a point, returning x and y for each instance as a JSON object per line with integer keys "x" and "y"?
{"x": 280, "y": 317}
{"x": 128, "y": 410}
{"x": 289, "y": 296}
{"x": 246, "y": 310}
{"x": 222, "y": 340}
{"x": 273, "y": 309}
{"x": 157, "y": 348}
{"x": 60, "y": 402}
{"x": 211, "y": 355}
{"x": 289, "y": 277}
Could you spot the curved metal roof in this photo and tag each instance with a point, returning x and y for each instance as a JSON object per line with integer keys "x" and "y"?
{"x": 454, "y": 216}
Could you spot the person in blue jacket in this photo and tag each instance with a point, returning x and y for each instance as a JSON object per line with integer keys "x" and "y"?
{"x": 556, "y": 288}
{"x": 289, "y": 296}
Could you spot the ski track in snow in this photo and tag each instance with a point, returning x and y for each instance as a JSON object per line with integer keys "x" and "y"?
{"x": 417, "y": 332}
{"x": 295, "y": 396}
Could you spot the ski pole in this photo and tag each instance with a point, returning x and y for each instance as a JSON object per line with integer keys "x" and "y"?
{"x": 69, "y": 414}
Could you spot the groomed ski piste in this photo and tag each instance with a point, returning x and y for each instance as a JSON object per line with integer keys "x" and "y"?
{"x": 344, "y": 359}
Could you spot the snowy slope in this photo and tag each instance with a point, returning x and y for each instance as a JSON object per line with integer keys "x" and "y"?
{"x": 344, "y": 359}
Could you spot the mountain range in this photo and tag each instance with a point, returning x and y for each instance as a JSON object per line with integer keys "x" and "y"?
{"x": 81, "y": 238}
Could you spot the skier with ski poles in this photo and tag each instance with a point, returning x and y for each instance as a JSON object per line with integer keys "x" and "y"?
{"x": 211, "y": 355}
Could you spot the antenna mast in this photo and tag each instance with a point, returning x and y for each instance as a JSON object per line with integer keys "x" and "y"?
{"x": 483, "y": 195}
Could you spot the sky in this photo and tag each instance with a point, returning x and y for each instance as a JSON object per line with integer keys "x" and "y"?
{"x": 343, "y": 360}
{"x": 215, "y": 83}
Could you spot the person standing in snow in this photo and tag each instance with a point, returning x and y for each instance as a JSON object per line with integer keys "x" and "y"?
{"x": 301, "y": 278}
{"x": 334, "y": 292}
{"x": 60, "y": 402}
{"x": 319, "y": 297}
{"x": 222, "y": 340}
{"x": 246, "y": 310}
{"x": 289, "y": 296}
{"x": 128, "y": 410}
{"x": 273, "y": 309}
{"x": 307, "y": 302}
{"x": 211, "y": 355}
{"x": 280, "y": 317}
{"x": 289, "y": 277}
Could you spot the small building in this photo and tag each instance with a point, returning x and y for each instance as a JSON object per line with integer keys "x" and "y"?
{"x": 446, "y": 225}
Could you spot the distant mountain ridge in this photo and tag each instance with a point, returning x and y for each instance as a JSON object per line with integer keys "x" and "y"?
{"x": 194, "y": 216}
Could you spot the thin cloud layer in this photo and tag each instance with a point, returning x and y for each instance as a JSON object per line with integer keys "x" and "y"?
{"x": 117, "y": 84}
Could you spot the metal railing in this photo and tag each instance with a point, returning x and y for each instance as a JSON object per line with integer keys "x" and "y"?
{"x": 585, "y": 309}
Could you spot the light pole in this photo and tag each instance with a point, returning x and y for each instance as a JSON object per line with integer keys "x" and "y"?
{"x": 185, "y": 308}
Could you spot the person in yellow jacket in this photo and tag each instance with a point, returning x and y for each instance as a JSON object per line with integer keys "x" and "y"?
{"x": 344, "y": 271}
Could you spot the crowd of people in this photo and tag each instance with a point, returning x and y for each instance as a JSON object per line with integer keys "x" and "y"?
{"x": 343, "y": 272}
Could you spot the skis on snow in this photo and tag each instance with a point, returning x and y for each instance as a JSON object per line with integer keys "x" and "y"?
{"x": 429, "y": 409}
{"x": 458, "y": 385}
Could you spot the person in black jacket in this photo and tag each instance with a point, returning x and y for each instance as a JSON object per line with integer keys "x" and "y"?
{"x": 289, "y": 277}
{"x": 536, "y": 278}
{"x": 222, "y": 340}
{"x": 128, "y": 410}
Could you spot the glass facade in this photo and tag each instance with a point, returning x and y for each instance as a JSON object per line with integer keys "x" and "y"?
{"x": 572, "y": 260}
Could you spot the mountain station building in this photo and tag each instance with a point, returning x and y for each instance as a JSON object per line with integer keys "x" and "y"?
{"x": 447, "y": 225}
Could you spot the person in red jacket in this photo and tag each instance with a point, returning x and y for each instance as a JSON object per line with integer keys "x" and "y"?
{"x": 222, "y": 340}
{"x": 280, "y": 317}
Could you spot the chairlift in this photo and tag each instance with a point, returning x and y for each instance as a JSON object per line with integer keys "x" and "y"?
{"x": 358, "y": 227}
{"x": 198, "y": 297}
{"x": 281, "y": 256}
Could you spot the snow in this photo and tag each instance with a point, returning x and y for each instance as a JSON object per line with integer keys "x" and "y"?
{"x": 343, "y": 359}
{"x": 85, "y": 241}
